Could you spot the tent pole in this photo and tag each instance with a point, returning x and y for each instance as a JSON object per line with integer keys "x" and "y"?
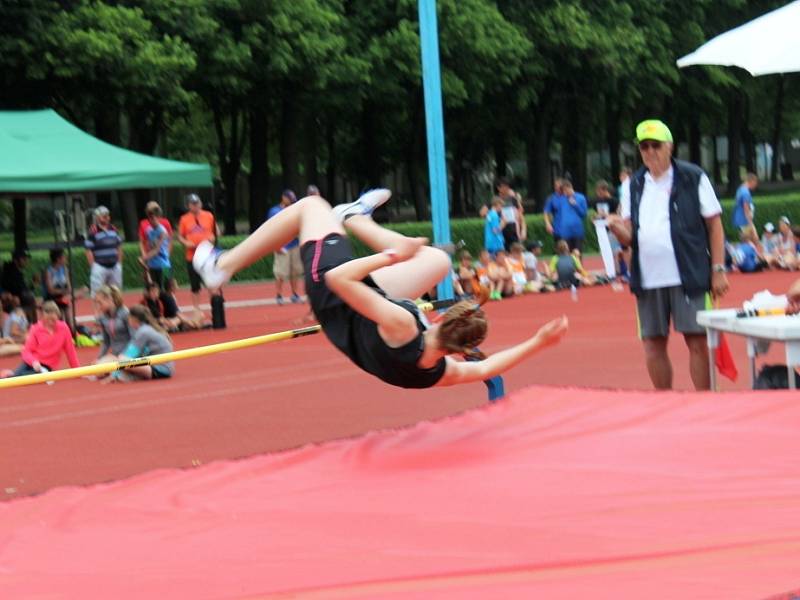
{"x": 70, "y": 226}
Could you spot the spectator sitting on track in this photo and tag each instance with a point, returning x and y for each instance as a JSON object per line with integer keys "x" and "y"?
{"x": 787, "y": 245}
{"x": 536, "y": 270}
{"x": 770, "y": 247}
{"x": 149, "y": 338}
{"x": 467, "y": 274}
{"x": 746, "y": 256}
{"x": 46, "y": 341}
{"x": 13, "y": 283}
{"x": 112, "y": 316}
{"x": 169, "y": 302}
{"x": 566, "y": 268}
{"x": 15, "y": 328}
{"x": 516, "y": 266}
{"x": 500, "y": 273}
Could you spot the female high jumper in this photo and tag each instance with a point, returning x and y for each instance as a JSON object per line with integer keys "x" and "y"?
{"x": 360, "y": 302}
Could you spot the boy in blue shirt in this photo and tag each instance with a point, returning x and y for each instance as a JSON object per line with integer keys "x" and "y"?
{"x": 493, "y": 239}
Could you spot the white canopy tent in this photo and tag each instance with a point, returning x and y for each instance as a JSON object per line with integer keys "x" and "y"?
{"x": 766, "y": 45}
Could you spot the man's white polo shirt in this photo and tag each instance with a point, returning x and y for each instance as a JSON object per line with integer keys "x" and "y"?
{"x": 657, "y": 262}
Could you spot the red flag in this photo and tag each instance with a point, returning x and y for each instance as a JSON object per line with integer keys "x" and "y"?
{"x": 724, "y": 359}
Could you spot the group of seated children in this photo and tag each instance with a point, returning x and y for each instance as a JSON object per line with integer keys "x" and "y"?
{"x": 126, "y": 333}
{"x": 775, "y": 249}
{"x": 520, "y": 271}
{"x": 164, "y": 307}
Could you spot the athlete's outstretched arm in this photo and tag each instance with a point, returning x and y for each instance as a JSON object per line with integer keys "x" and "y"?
{"x": 467, "y": 372}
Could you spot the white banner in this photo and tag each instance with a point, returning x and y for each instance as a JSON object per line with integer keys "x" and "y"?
{"x": 605, "y": 248}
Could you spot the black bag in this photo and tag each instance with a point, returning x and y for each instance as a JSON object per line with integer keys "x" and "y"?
{"x": 218, "y": 311}
{"x": 773, "y": 377}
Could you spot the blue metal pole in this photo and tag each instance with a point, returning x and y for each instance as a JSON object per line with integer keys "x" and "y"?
{"x": 437, "y": 165}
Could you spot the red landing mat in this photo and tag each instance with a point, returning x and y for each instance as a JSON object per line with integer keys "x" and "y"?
{"x": 555, "y": 493}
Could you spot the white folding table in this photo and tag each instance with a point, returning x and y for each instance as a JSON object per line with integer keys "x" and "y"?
{"x": 758, "y": 332}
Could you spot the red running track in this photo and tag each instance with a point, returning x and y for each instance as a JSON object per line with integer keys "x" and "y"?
{"x": 301, "y": 391}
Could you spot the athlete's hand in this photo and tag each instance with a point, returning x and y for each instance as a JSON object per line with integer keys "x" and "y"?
{"x": 551, "y": 333}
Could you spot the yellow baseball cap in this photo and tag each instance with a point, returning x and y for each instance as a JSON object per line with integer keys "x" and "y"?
{"x": 653, "y": 129}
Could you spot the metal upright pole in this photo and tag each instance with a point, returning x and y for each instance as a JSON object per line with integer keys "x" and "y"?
{"x": 437, "y": 165}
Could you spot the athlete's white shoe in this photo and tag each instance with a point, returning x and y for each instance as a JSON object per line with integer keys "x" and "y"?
{"x": 367, "y": 203}
{"x": 205, "y": 264}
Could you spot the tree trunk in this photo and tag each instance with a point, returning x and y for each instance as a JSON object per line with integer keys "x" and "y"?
{"x": 695, "y": 138}
{"x": 500, "y": 154}
{"x": 613, "y": 138}
{"x": 330, "y": 173}
{"x": 229, "y": 154}
{"x": 715, "y": 157}
{"x": 747, "y": 136}
{"x": 776, "y": 128}
{"x": 20, "y": 223}
{"x": 370, "y": 169}
{"x": 574, "y": 147}
{"x": 734, "y": 140}
{"x": 311, "y": 142}
{"x": 537, "y": 147}
{"x": 130, "y": 217}
{"x": 289, "y": 144}
{"x": 259, "y": 166}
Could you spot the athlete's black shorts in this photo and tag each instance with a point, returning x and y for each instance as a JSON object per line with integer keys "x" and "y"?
{"x": 333, "y": 314}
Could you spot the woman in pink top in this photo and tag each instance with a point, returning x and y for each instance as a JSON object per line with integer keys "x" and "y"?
{"x": 47, "y": 339}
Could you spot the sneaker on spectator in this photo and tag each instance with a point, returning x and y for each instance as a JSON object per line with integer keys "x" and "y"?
{"x": 296, "y": 299}
{"x": 279, "y": 300}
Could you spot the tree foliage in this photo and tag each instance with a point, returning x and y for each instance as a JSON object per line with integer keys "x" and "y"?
{"x": 291, "y": 92}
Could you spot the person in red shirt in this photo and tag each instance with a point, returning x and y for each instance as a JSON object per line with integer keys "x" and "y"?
{"x": 47, "y": 340}
{"x": 196, "y": 226}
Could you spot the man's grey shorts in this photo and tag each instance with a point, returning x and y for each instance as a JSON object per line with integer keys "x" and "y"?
{"x": 656, "y": 307}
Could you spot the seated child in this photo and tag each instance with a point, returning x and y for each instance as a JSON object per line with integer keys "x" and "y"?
{"x": 14, "y": 329}
{"x": 566, "y": 268}
{"x": 746, "y": 256}
{"x": 148, "y": 339}
{"x": 47, "y": 340}
{"x": 516, "y": 265}
{"x": 500, "y": 274}
{"x": 467, "y": 274}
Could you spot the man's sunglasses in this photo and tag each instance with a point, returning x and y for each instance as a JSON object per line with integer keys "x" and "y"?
{"x": 647, "y": 145}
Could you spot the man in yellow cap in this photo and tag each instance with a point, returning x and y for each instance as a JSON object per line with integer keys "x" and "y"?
{"x": 671, "y": 219}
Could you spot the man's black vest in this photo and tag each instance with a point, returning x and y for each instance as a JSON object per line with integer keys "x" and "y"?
{"x": 686, "y": 224}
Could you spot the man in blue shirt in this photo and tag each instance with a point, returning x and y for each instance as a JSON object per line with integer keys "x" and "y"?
{"x": 564, "y": 214}
{"x": 287, "y": 265}
{"x": 745, "y": 208}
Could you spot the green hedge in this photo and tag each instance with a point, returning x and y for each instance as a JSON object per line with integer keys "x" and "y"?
{"x": 469, "y": 230}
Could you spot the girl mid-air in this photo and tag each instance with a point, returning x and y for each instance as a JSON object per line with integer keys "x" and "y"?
{"x": 363, "y": 304}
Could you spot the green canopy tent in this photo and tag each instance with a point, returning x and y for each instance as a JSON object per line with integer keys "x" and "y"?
{"x": 40, "y": 152}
